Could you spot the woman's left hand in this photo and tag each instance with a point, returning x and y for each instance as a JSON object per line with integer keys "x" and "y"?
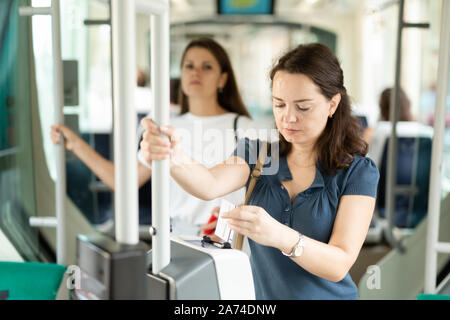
{"x": 255, "y": 223}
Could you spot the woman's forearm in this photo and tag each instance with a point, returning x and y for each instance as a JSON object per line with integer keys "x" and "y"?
{"x": 321, "y": 259}
{"x": 194, "y": 177}
{"x": 338, "y": 262}
{"x": 144, "y": 174}
{"x": 102, "y": 168}
{"x": 160, "y": 143}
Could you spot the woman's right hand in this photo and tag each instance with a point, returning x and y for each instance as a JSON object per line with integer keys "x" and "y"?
{"x": 157, "y": 147}
{"x": 70, "y": 137}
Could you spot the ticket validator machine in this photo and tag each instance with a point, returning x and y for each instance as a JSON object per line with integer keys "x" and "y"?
{"x": 177, "y": 268}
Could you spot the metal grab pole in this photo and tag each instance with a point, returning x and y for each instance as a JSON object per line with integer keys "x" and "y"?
{"x": 392, "y": 189}
{"x": 60, "y": 185}
{"x": 124, "y": 82}
{"x": 30, "y": 11}
{"x": 434, "y": 196}
{"x": 391, "y": 172}
{"x": 60, "y": 156}
{"x": 160, "y": 169}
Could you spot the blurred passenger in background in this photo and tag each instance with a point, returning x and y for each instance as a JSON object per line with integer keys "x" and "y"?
{"x": 142, "y": 94}
{"x": 141, "y": 78}
{"x": 406, "y": 124}
{"x": 404, "y": 105}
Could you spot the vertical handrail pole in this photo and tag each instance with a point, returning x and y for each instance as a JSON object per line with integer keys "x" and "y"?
{"x": 391, "y": 172}
{"x": 58, "y": 100}
{"x": 160, "y": 55}
{"x": 60, "y": 185}
{"x": 124, "y": 79}
{"x": 434, "y": 196}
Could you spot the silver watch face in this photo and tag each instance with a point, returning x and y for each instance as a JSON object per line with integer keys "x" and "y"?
{"x": 298, "y": 251}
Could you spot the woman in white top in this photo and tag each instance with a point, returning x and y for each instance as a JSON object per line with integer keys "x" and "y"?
{"x": 211, "y": 108}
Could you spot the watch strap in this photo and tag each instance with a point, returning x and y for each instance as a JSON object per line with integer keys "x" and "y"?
{"x": 300, "y": 243}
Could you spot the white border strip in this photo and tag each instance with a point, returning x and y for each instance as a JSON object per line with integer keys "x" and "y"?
{"x": 434, "y": 196}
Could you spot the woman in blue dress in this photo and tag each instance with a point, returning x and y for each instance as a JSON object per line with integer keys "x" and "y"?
{"x": 307, "y": 220}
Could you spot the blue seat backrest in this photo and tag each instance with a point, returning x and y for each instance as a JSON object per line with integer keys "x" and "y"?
{"x": 362, "y": 121}
{"x": 408, "y": 212}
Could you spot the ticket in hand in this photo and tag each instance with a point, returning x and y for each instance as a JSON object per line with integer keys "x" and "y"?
{"x": 223, "y": 231}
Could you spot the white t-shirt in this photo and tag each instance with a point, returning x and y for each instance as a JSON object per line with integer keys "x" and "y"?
{"x": 404, "y": 129}
{"x": 142, "y": 99}
{"x": 210, "y": 141}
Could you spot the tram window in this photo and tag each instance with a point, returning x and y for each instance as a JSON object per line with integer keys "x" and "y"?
{"x": 90, "y": 47}
{"x": 70, "y": 82}
{"x": 86, "y": 51}
{"x": 17, "y": 197}
{"x": 6, "y": 116}
{"x": 41, "y": 3}
{"x": 6, "y": 82}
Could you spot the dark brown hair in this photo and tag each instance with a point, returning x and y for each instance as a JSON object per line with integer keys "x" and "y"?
{"x": 404, "y": 106}
{"x": 340, "y": 140}
{"x": 141, "y": 78}
{"x": 229, "y": 98}
{"x": 174, "y": 90}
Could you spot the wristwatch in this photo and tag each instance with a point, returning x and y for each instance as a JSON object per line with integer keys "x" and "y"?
{"x": 298, "y": 248}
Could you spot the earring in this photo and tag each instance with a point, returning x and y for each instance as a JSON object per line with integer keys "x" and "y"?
{"x": 330, "y": 116}
{"x": 220, "y": 90}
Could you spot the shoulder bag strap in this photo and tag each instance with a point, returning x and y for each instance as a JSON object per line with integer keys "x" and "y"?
{"x": 239, "y": 240}
{"x": 235, "y": 128}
